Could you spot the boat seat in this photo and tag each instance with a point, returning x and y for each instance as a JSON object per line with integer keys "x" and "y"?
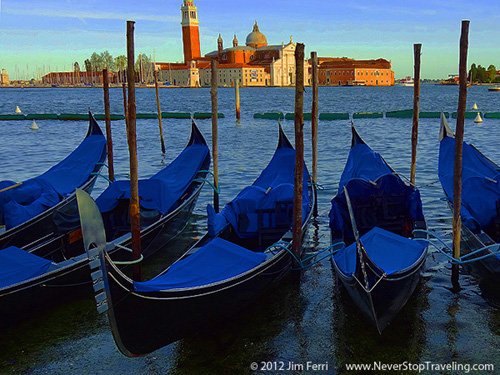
{"x": 389, "y": 212}
{"x": 17, "y": 265}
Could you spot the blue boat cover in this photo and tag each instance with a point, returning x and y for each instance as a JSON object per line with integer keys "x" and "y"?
{"x": 270, "y": 197}
{"x": 161, "y": 191}
{"x": 376, "y": 193}
{"x": 17, "y": 265}
{"x": 389, "y": 251}
{"x": 216, "y": 261}
{"x": 480, "y": 184}
{"x": 36, "y": 195}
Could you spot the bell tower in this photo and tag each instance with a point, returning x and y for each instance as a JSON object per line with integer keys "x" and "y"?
{"x": 190, "y": 31}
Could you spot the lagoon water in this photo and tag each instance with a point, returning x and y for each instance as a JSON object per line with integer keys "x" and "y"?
{"x": 311, "y": 319}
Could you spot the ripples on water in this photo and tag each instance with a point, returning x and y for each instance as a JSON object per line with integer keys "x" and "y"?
{"x": 312, "y": 320}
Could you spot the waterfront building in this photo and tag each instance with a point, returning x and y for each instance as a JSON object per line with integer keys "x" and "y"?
{"x": 254, "y": 64}
{"x": 76, "y": 78}
{"x": 349, "y": 72}
{"x": 4, "y": 78}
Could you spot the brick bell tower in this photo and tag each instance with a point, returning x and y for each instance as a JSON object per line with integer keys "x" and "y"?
{"x": 190, "y": 31}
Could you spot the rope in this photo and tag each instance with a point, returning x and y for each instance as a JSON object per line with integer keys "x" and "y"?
{"x": 98, "y": 174}
{"x": 210, "y": 183}
{"x": 463, "y": 259}
{"x": 129, "y": 262}
{"x": 309, "y": 261}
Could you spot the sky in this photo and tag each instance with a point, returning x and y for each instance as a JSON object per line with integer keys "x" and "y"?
{"x": 41, "y": 35}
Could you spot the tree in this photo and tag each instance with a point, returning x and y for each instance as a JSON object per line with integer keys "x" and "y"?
{"x": 107, "y": 61}
{"x": 491, "y": 73}
{"x": 120, "y": 62}
{"x": 473, "y": 73}
{"x": 88, "y": 65}
{"x": 76, "y": 67}
{"x": 144, "y": 67}
{"x": 96, "y": 62}
{"x": 481, "y": 74}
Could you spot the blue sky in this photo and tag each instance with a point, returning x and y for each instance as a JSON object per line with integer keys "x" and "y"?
{"x": 38, "y": 34}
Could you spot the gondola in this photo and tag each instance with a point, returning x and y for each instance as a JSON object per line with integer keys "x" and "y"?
{"x": 375, "y": 213}
{"x": 246, "y": 250}
{"x": 167, "y": 199}
{"x": 480, "y": 212}
{"x": 28, "y": 209}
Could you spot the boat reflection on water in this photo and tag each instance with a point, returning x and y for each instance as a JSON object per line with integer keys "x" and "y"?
{"x": 357, "y": 342}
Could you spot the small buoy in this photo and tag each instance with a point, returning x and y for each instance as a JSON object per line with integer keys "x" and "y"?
{"x": 18, "y": 110}
{"x": 34, "y": 125}
{"x": 478, "y": 119}
{"x": 474, "y": 106}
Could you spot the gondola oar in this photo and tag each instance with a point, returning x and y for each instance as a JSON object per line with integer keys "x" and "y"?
{"x": 158, "y": 107}
{"x": 11, "y": 187}
{"x": 359, "y": 245}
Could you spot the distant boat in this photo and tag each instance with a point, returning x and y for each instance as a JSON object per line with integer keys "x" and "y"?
{"x": 407, "y": 81}
{"x": 496, "y": 88}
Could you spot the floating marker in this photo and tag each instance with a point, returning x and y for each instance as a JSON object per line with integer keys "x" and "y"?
{"x": 18, "y": 110}
{"x": 474, "y": 106}
{"x": 34, "y": 125}
{"x": 478, "y": 119}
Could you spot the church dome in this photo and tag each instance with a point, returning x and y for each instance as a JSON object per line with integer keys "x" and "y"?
{"x": 256, "y": 39}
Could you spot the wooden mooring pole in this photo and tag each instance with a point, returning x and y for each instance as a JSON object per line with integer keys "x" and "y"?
{"x": 416, "y": 109}
{"x": 459, "y": 138}
{"x": 215, "y": 121}
{"x": 158, "y": 108}
{"x": 135, "y": 224}
{"x": 107, "y": 116}
{"x": 237, "y": 99}
{"x": 299, "y": 149}
{"x": 314, "y": 118}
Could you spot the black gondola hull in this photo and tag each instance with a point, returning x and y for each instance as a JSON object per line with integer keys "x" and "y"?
{"x": 384, "y": 300}
{"x": 142, "y": 324}
{"x": 18, "y": 301}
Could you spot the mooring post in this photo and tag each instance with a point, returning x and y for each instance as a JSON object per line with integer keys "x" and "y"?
{"x": 237, "y": 99}
{"x": 107, "y": 115}
{"x": 416, "y": 110}
{"x": 158, "y": 108}
{"x": 215, "y": 120}
{"x": 314, "y": 118}
{"x": 135, "y": 224}
{"x": 459, "y": 138}
{"x": 299, "y": 149}
{"x": 125, "y": 102}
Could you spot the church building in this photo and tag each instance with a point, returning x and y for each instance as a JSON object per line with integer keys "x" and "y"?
{"x": 254, "y": 64}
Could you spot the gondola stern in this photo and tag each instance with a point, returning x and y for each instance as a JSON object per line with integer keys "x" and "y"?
{"x": 445, "y": 130}
{"x": 94, "y": 128}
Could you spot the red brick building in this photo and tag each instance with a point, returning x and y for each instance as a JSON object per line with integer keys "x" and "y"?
{"x": 343, "y": 71}
{"x": 76, "y": 78}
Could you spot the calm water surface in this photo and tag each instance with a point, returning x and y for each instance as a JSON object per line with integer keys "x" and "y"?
{"x": 311, "y": 319}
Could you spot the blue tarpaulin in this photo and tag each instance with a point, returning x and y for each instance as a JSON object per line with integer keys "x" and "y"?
{"x": 161, "y": 191}
{"x": 216, "y": 261}
{"x": 36, "y": 195}
{"x": 389, "y": 251}
{"x": 480, "y": 184}
{"x": 17, "y": 265}
{"x": 379, "y": 197}
{"x": 271, "y": 191}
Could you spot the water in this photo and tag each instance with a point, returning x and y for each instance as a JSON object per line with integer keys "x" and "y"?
{"x": 306, "y": 320}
